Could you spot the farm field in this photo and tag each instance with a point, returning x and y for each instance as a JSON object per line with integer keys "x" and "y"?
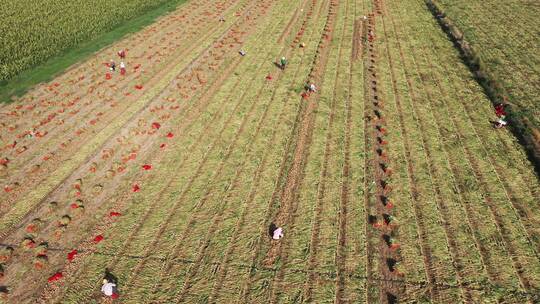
{"x": 50, "y": 27}
{"x": 510, "y": 48}
{"x": 389, "y": 182}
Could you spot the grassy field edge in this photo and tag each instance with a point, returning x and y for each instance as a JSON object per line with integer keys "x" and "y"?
{"x": 56, "y": 65}
{"x": 527, "y": 134}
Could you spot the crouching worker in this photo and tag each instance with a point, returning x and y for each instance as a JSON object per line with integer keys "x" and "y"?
{"x": 283, "y": 63}
{"x": 500, "y": 109}
{"x": 311, "y": 87}
{"x": 501, "y": 123}
{"x": 275, "y": 232}
{"x": 122, "y": 68}
{"x": 109, "y": 287}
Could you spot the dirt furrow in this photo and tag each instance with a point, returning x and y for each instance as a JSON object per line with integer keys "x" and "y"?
{"x": 230, "y": 249}
{"x": 389, "y": 287}
{"x": 317, "y": 217}
{"x": 341, "y": 252}
{"x": 286, "y": 214}
{"x": 422, "y": 232}
{"x": 281, "y": 177}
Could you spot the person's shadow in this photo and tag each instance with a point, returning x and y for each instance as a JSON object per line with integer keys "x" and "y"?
{"x": 110, "y": 277}
{"x": 271, "y": 229}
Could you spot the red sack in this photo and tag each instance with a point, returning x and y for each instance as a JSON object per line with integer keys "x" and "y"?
{"x": 136, "y": 188}
{"x": 138, "y": 87}
{"x": 74, "y": 206}
{"x": 147, "y": 167}
{"x": 113, "y": 214}
{"x": 55, "y": 277}
{"x": 156, "y": 125}
{"x": 269, "y": 77}
{"x": 98, "y": 238}
{"x": 162, "y": 146}
{"x": 170, "y": 135}
{"x": 31, "y": 228}
{"x": 71, "y": 255}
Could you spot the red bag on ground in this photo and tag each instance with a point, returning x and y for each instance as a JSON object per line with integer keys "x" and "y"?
{"x": 138, "y": 87}
{"x": 156, "y": 125}
{"x": 55, "y": 277}
{"x": 113, "y": 214}
{"x": 71, "y": 255}
{"x": 170, "y": 135}
{"x": 147, "y": 167}
{"x": 162, "y": 146}
{"x": 269, "y": 77}
{"x": 136, "y": 188}
{"x": 98, "y": 238}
